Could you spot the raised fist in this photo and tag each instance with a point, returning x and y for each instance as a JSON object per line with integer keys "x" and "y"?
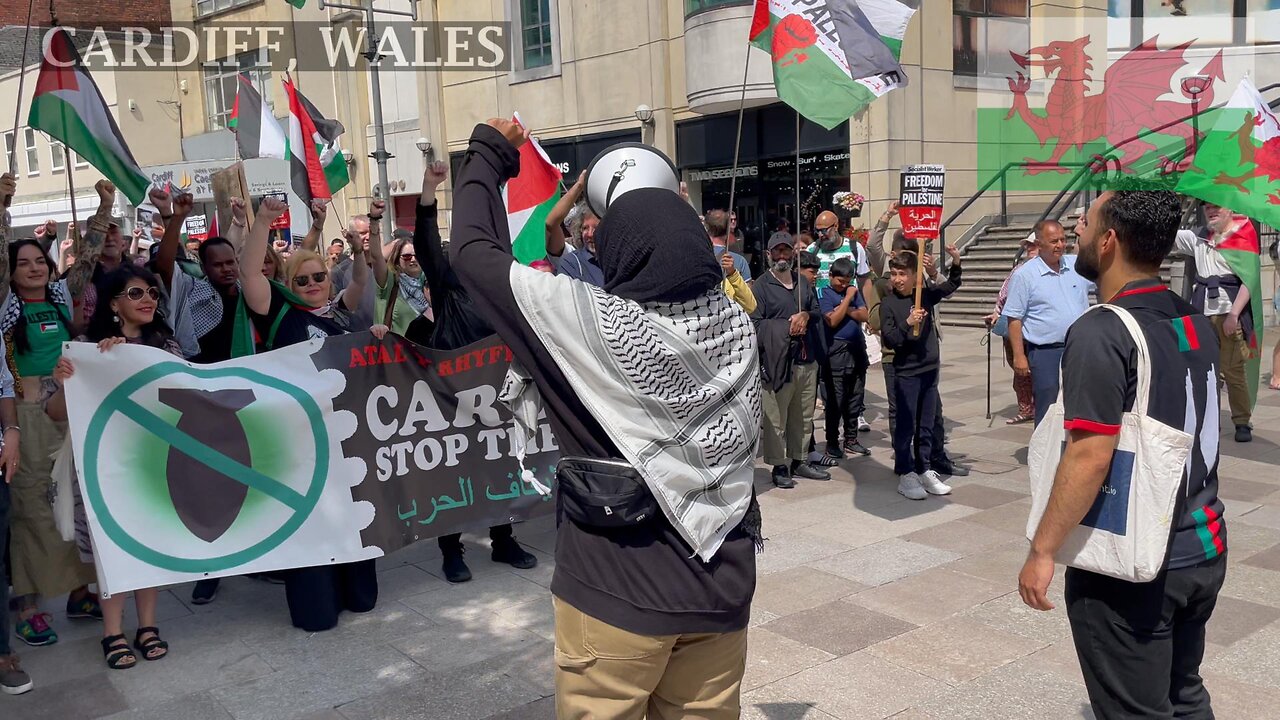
{"x": 183, "y": 204}
{"x": 435, "y": 173}
{"x": 271, "y": 209}
{"x": 239, "y": 211}
{"x": 162, "y": 200}
{"x": 106, "y": 191}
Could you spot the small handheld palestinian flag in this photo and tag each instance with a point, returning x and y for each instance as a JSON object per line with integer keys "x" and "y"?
{"x": 529, "y": 198}
{"x": 832, "y": 58}
{"x": 68, "y": 107}
{"x": 318, "y": 166}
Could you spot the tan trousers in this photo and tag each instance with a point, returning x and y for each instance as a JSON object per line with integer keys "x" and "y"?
{"x": 788, "y": 417}
{"x": 1231, "y": 354}
{"x": 606, "y": 673}
{"x": 43, "y": 563}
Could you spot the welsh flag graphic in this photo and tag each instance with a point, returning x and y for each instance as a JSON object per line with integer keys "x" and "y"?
{"x": 832, "y": 58}
{"x": 530, "y": 197}
{"x": 1238, "y": 167}
{"x": 68, "y": 107}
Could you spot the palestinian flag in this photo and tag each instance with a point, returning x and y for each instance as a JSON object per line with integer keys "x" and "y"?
{"x": 68, "y": 107}
{"x": 832, "y": 58}
{"x": 318, "y": 167}
{"x": 1237, "y": 166}
{"x": 530, "y": 197}
{"x": 298, "y": 3}
{"x": 258, "y": 135}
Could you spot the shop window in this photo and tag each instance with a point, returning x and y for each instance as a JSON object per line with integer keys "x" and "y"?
{"x": 535, "y": 41}
{"x": 220, "y": 85}
{"x": 9, "y": 141}
{"x": 693, "y": 7}
{"x": 984, "y": 32}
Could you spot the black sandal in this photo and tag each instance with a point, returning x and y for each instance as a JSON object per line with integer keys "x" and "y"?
{"x": 116, "y": 654}
{"x": 154, "y": 643}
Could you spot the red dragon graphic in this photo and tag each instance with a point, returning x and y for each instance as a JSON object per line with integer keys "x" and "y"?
{"x": 1259, "y": 162}
{"x": 1132, "y": 99}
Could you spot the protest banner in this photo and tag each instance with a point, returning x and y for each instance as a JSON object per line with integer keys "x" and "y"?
{"x": 331, "y": 451}
{"x": 920, "y": 210}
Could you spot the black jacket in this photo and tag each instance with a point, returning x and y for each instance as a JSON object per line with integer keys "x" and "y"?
{"x": 644, "y": 580}
{"x": 915, "y": 355}
{"x": 774, "y": 301}
{"x": 457, "y": 322}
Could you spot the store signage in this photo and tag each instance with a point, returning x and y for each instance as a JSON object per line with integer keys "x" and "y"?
{"x": 194, "y": 178}
{"x": 920, "y": 203}
{"x": 723, "y": 173}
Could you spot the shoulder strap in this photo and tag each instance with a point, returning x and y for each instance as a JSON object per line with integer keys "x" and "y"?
{"x": 1143, "y": 370}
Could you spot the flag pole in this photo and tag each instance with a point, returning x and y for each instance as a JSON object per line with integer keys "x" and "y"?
{"x": 22, "y": 80}
{"x": 796, "y": 229}
{"x": 737, "y": 143}
{"x": 71, "y": 186}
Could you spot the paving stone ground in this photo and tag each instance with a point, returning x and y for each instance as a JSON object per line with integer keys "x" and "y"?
{"x": 868, "y": 606}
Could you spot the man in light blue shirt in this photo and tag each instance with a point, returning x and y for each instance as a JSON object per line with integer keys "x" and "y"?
{"x": 1046, "y": 295}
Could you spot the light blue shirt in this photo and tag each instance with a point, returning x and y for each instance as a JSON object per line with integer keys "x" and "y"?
{"x": 1047, "y": 301}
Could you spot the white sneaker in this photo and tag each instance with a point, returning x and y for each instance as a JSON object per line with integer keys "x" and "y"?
{"x": 863, "y": 425}
{"x": 910, "y": 488}
{"x": 933, "y": 484}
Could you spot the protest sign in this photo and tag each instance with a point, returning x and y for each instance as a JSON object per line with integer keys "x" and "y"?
{"x": 920, "y": 203}
{"x": 331, "y": 451}
{"x": 197, "y": 227}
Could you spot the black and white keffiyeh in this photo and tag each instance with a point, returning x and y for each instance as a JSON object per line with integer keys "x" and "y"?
{"x": 675, "y": 385}
{"x": 58, "y": 293}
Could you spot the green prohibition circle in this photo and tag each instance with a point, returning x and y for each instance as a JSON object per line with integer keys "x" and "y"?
{"x": 118, "y": 401}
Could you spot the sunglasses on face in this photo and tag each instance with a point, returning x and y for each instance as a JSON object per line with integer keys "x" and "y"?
{"x": 305, "y": 280}
{"x": 407, "y": 257}
{"x": 136, "y": 293}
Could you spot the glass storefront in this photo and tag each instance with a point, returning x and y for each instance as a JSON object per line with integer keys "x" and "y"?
{"x": 765, "y": 198}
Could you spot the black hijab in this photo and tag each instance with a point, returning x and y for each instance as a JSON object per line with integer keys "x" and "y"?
{"x": 652, "y": 248}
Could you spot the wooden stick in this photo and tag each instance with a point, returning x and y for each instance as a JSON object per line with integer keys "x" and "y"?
{"x": 17, "y": 112}
{"x": 915, "y": 332}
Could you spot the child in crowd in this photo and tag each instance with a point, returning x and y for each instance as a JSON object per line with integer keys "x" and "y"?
{"x": 843, "y": 311}
{"x": 911, "y": 333}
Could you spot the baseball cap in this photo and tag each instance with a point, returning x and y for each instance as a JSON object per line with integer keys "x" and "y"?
{"x": 781, "y": 237}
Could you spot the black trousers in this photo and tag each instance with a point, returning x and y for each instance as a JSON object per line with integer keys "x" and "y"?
{"x": 317, "y": 595}
{"x": 918, "y": 409}
{"x": 453, "y": 543}
{"x": 845, "y": 400}
{"x": 1140, "y": 644}
{"x": 939, "y": 452}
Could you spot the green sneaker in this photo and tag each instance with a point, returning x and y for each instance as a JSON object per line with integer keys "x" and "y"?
{"x": 86, "y": 608}
{"x": 35, "y": 630}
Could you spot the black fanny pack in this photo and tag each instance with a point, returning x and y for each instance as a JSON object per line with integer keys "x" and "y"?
{"x": 598, "y": 493}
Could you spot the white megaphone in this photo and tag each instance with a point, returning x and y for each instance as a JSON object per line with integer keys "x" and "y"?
{"x": 624, "y": 167}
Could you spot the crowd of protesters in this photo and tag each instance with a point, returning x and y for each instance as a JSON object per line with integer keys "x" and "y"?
{"x": 807, "y": 324}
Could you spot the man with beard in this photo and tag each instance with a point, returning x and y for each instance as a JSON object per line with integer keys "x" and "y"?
{"x": 651, "y": 615}
{"x": 1139, "y": 644}
{"x": 1219, "y": 294}
{"x": 1046, "y": 295}
{"x": 831, "y": 246}
{"x": 789, "y": 347}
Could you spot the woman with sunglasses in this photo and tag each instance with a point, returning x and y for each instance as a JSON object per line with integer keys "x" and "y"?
{"x": 402, "y": 286}
{"x": 39, "y": 315}
{"x": 128, "y": 316}
{"x": 303, "y": 312}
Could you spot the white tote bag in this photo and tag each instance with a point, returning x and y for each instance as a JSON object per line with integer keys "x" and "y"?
{"x": 61, "y": 492}
{"x": 1125, "y": 534}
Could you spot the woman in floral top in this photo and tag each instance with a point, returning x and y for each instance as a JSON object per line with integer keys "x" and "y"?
{"x": 128, "y": 315}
